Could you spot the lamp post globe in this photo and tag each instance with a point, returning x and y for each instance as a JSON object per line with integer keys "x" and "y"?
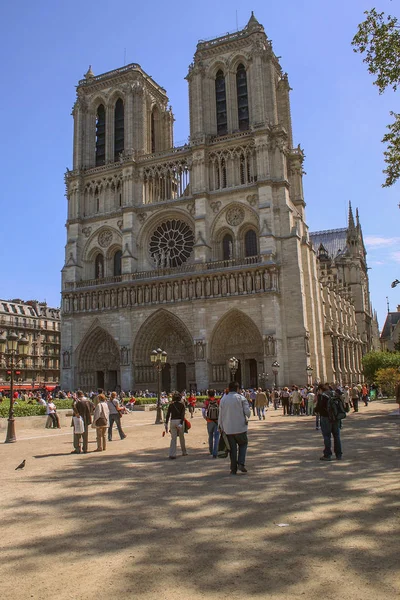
{"x": 275, "y": 369}
{"x": 158, "y": 359}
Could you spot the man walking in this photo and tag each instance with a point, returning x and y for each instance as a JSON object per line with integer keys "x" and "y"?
{"x": 328, "y": 426}
{"x": 261, "y": 403}
{"x": 84, "y": 408}
{"x": 234, "y": 412}
{"x": 211, "y": 413}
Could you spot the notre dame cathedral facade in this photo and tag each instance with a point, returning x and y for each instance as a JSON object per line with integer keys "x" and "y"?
{"x": 203, "y": 250}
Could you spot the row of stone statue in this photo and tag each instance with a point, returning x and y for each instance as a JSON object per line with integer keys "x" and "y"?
{"x": 200, "y": 287}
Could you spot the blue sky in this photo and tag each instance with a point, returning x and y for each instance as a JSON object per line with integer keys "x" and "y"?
{"x": 338, "y": 116}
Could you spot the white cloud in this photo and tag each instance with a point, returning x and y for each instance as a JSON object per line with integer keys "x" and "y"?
{"x": 376, "y": 241}
{"x": 395, "y": 256}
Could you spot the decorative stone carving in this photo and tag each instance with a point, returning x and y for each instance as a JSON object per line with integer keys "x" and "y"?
{"x": 66, "y": 359}
{"x": 124, "y": 351}
{"x": 191, "y": 208}
{"x": 215, "y": 206}
{"x": 171, "y": 244}
{"x": 200, "y": 349}
{"x": 87, "y": 231}
{"x": 142, "y": 217}
{"x": 119, "y": 224}
{"x": 105, "y": 238}
{"x": 235, "y": 216}
{"x": 252, "y": 199}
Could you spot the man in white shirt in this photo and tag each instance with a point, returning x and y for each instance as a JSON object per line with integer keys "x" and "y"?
{"x": 234, "y": 412}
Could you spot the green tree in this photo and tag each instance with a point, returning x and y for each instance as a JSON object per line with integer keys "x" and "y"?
{"x": 378, "y": 39}
{"x": 387, "y": 379}
{"x": 375, "y": 360}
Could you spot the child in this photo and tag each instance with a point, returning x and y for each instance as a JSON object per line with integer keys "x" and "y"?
{"x": 79, "y": 428}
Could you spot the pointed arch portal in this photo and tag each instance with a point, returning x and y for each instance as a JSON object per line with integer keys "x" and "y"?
{"x": 236, "y": 335}
{"x": 99, "y": 361}
{"x": 166, "y": 331}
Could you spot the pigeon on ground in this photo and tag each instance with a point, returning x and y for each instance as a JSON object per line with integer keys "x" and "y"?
{"x": 21, "y": 466}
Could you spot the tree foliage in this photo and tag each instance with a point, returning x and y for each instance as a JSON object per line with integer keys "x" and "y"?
{"x": 375, "y": 360}
{"x": 378, "y": 39}
{"x": 387, "y": 379}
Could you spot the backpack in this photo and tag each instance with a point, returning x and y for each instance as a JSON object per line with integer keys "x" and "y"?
{"x": 336, "y": 408}
{"x": 212, "y": 412}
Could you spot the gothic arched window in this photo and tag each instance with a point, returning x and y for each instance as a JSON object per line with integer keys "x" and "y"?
{"x": 220, "y": 97}
{"x": 250, "y": 243}
{"x": 118, "y": 128}
{"x": 100, "y": 136}
{"x": 242, "y": 98}
{"x": 99, "y": 267}
{"x": 155, "y": 130}
{"x": 117, "y": 263}
{"x": 227, "y": 247}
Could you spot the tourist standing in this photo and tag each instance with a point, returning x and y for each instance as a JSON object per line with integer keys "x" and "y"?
{"x": 285, "y": 400}
{"x": 176, "y": 413}
{"x": 211, "y": 414}
{"x": 234, "y": 412}
{"x": 295, "y": 398}
{"x": 330, "y": 428}
{"x": 355, "y": 396}
{"x": 114, "y": 417}
{"x": 101, "y": 421}
{"x": 84, "y": 408}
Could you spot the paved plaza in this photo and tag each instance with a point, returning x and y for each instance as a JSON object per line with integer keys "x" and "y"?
{"x": 129, "y": 523}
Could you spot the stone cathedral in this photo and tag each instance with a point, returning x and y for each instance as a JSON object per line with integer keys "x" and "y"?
{"x": 203, "y": 250}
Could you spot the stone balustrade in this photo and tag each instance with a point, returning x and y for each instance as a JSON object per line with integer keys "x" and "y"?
{"x": 253, "y": 279}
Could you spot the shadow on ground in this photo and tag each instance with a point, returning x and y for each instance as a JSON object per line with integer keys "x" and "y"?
{"x": 189, "y": 519}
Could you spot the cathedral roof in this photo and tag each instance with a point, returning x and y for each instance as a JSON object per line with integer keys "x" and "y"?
{"x": 333, "y": 240}
{"x": 392, "y": 319}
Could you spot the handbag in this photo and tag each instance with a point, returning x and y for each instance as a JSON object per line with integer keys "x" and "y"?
{"x": 186, "y": 426}
{"x": 101, "y": 421}
{"x": 223, "y": 446}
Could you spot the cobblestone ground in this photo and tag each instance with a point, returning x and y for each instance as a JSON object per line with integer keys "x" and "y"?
{"x": 129, "y": 523}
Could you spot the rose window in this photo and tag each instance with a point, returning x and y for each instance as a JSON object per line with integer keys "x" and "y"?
{"x": 171, "y": 244}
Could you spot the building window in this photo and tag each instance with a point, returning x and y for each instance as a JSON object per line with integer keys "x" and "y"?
{"x": 227, "y": 247}
{"x": 100, "y": 136}
{"x": 118, "y": 128}
{"x": 220, "y": 97}
{"x": 117, "y": 263}
{"x": 250, "y": 243}
{"x": 155, "y": 130}
{"x": 242, "y": 98}
{"x": 99, "y": 267}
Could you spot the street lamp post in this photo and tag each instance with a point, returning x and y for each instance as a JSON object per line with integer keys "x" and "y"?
{"x": 12, "y": 350}
{"x": 233, "y": 367}
{"x": 158, "y": 359}
{"x": 309, "y": 370}
{"x": 275, "y": 369}
{"x": 263, "y": 378}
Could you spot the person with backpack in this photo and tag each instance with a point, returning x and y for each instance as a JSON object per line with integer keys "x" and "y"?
{"x": 210, "y": 413}
{"x": 330, "y": 407}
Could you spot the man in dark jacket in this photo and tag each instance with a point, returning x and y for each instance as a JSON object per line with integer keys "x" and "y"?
{"x": 176, "y": 412}
{"x": 85, "y": 408}
{"x": 328, "y": 428}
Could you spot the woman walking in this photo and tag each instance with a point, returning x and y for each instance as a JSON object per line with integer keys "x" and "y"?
{"x": 101, "y": 421}
{"x": 176, "y": 412}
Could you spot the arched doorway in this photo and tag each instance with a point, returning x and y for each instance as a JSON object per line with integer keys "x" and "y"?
{"x": 98, "y": 362}
{"x": 166, "y": 331}
{"x": 235, "y": 335}
{"x": 166, "y": 378}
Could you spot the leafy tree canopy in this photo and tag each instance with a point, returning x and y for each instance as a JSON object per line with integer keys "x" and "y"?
{"x": 378, "y": 39}
{"x": 375, "y": 360}
{"x": 388, "y": 379}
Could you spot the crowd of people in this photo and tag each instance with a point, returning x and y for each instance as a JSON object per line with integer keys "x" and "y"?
{"x": 226, "y": 414}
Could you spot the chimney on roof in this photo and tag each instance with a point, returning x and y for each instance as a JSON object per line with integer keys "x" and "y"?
{"x": 398, "y": 308}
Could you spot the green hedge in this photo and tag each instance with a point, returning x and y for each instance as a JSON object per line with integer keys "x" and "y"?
{"x": 23, "y": 409}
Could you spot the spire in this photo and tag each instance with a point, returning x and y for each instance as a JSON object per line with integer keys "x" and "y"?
{"x": 253, "y": 24}
{"x": 351, "y": 225}
{"x": 357, "y": 218}
{"x": 89, "y": 73}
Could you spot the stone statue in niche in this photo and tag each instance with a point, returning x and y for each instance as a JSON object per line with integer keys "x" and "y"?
{"x": 267, "y": 280}
{"x": 240, "y": 284}
{"x": 216, "y": 286}
{"x": 124, "y": 355}
{"x": 223, "y": 286}
{"x": 232, "y": 284}
{"x": 140, "y": 295}
{"x": 176, "y": 291}
{"x": 169, "y": 292}
{"x": 124, "y": 297}
{"x": 249, "y": 283}
{"x": 133, "y": 296}
{"x": 161, "y": 292}
{"x": 258, "y": 281}
{"x": 208, "y": 286}
{"x": 200, "y": 350}
{"x": 191, "y": 290}
{"x": 154, "y": 293}
{"x": 113, "y": 298}
{"x": 198, "y": 288}
{"x": 75, "y": 303}
{"x": 183, "y": 290}
{"x": 66, "y": 360}
{"x": 147, "y": 294}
